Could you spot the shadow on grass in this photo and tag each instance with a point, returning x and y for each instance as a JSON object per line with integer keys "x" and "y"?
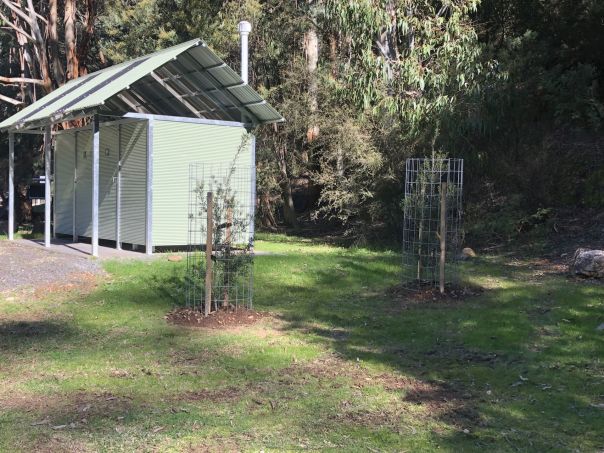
{"x": 17, "y": 335}
{"x": 515, "y": 368}
{"x": 531, "y": 341}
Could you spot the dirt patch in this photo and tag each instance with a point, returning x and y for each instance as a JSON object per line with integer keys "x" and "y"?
{"x": 78, "y": 407}
{"x": 217, "y": 444}
{"x": 437, "y": 399}
{"x": 416, "y": 295}
{"x": 83, "y": 282}
{"x": 25, "y": 268}
{"x": 538, "y": 268}
{"x": 330, "y": 368}
{"x": 545, "y": 266}
{"x": 574, "y": 228}
{"x": 221, "y": 319}
{"x": 369, "y": 418}
{"x": 462, "y": 354}
{"x": 214, "y": 395}
{"x": 58, "y": 443}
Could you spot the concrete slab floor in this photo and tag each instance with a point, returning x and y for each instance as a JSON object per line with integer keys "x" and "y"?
{"x": 83, "y": 249}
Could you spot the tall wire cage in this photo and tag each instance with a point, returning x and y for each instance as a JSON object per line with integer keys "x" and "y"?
{"x": 432, "y": 184}
{"x": 231, "y": 251}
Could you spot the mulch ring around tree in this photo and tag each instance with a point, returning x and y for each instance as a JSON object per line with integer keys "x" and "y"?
{"x": 417, "y": 294}
{"x": 221, "y": 319}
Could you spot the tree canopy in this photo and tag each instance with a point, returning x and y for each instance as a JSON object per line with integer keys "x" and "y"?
{"x": 512, "y": 86}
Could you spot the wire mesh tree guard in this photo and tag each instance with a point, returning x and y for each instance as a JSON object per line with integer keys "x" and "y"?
{"x": 220, "y": 251}
{"x": 432, "y": 221}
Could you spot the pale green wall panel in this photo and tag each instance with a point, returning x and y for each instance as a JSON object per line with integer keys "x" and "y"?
{"x": 108, "y": 162}
{"x": 175, "y": 146}
{"x": 64, "y": 174}
{"x": 84, "y": 184}
{"x": 134, "y": 182}
{"x": 134, "y": 155}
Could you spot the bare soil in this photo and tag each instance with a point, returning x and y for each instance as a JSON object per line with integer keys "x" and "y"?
{"x": 23, "y": 266}
{"x": 439, "y": 398}
{"x": 412, "y": 295}
{"x": 216, "y": 395}
{"x": 220, "y": 319}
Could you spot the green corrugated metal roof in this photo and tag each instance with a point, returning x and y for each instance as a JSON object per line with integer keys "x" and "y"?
{"x": 185, "y": 80}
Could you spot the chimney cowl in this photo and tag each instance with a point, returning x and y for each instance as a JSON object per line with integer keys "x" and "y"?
{"x": 244, "y": 27}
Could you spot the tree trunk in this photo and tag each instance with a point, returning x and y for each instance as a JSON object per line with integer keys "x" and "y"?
{"x": 266, "y": 212}
{"x": 387, "y": 40}
{"x": 73, "y": 65}
{"x": 87, "y": 35}
{"x": 333, "y": 55}
{"x": 391, "y": 36}
{"x": 39, "y": 45}
{"x": 289, "y": 213}
{"x": 53, "y": 44}
{"x": 311, "y": 50}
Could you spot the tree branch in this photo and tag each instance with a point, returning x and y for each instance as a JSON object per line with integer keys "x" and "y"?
{"x": 15, "y": 27}
{"x": 18, "y": 11}
{"x": 10, "y": 100}
{"x": 10, "y": 80}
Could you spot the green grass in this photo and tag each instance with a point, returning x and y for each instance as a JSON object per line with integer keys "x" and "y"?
{"x": 23, "y": 234}
{"x": 343, "y": 366}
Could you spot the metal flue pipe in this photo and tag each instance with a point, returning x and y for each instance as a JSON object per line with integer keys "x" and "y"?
{"x": 244, "y": 28}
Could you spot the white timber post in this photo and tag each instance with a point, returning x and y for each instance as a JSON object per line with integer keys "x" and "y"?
{"x": 149, "y": 210}
{"x": 96, "y": 137}
{"x": 253, "y": 190}
{"x": 47, "y": 196}
{"x": 11, "y": 186}
{"x": 209, "y": 232}
{"x": 443, "y": 234}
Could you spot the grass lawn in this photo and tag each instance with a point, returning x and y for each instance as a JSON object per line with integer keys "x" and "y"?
{"x": 343, "y": 364}
{"x": 23, "y": 234}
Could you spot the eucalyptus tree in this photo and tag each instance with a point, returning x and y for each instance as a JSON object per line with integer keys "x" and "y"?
{"x": 400, "y": 69}
{"x": 44, "y": 44}
{"x": 408, "y": 58}
{"x": 39, "y": 59}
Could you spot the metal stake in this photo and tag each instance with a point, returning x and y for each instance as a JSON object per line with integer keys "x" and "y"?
{"x": 443, "y": 233}
{"x": 208, "y": 298}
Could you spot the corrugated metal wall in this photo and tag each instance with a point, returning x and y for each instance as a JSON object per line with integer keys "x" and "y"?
{"x": 108, "y": 160}
{"x": 134, "y": 182}
{"x": 84, "y": 184}
{"x": 64, "y": 174}
{"x": 175, "y": 146}
{"x": 134, "y": 177}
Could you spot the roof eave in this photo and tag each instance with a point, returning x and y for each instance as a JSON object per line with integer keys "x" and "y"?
{"x": 21, "y": 127}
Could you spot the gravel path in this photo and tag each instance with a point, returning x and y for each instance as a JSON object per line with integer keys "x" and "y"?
{"x": 27, "y": 266}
